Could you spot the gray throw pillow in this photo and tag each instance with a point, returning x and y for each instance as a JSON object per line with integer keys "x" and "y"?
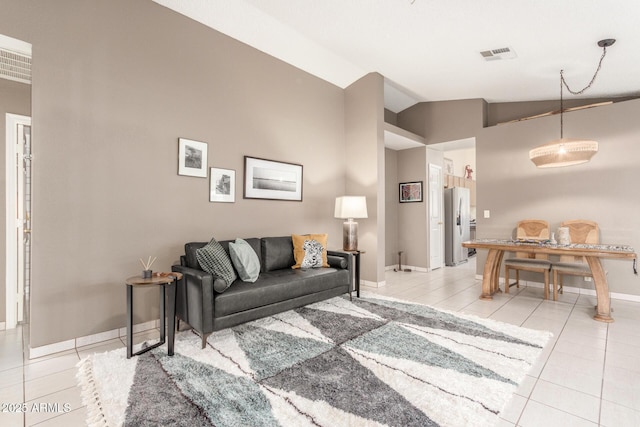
{"x": 214, "y": 259}
{"x": 245, "y": 260}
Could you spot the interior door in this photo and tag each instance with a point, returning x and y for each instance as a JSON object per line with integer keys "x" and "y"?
{"x": 436, "y": 217}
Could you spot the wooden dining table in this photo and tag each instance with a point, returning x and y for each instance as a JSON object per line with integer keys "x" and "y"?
{"x": 592, "y": 253}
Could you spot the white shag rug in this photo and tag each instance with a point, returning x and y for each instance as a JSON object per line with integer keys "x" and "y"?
{"x": 373, "y": 361}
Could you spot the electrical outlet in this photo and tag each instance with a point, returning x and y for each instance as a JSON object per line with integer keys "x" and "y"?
{"x": 487, "y": 213}
{"x": 587, "y": 279}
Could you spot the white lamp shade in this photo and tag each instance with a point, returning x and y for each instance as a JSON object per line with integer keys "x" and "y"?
{"x": 351, "y": 207}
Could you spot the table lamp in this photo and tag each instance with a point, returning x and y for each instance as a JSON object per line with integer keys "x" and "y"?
{"x": 349, "y": 208}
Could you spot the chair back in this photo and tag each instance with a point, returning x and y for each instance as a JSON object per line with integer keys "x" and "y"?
{"x": 581, "y": 231}
{"x": 536, "y": 229}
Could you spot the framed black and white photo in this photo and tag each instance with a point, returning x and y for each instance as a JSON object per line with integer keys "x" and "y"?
{"x": 269, "y": 179}
{"x": 410, "y": 192}
{"x": 192, "y": 158}
{"x": 223, "y": 185}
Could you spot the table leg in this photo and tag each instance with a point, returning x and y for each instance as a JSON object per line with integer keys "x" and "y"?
{"x": 129, "y": 321}
{"x": 491, "y": 274}
{"x": 603, "y": 310}
{"x": 357, "y": 256}
{"x": 496, "y": 273}
{"x": 172, "y": 316}
{"x": 163, "y": 317}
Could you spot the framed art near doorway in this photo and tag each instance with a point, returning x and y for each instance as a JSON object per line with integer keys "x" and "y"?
{"x": 411, "y": 192}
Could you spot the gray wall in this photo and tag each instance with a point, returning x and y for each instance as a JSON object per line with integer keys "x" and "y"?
{"x": 408, "y": 223}
{"x": 365, "y": 169}
{"x": 15, "y": 98}
{"x": 115, "y": 84}
{"x": 412, "y": 217}
{"x": 512, "y": 188}
{"x": 391, "y": 210}
{"x": 604, "y": 190}
{"x": 444, "y": 120}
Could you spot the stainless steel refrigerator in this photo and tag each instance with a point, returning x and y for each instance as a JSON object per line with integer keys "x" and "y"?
{"x": 456, "y": 225}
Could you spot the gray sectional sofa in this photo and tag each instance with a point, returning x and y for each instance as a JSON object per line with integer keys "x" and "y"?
{"x": 277, "y": 289}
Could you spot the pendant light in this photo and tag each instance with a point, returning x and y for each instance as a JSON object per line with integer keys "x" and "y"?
{"x": 568, "y": 151}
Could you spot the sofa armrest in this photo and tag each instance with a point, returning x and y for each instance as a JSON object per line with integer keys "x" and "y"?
{"x": 195, "y": 298}
{"x": 338, "y": 262}
{"x": 339, "y": 257}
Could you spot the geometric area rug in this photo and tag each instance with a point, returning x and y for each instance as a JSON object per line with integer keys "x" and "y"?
{"x": 373, "y": 361}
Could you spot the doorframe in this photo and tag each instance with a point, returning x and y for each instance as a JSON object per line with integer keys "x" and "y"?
{"x": 12, "y": 223}
{"x": 439, "y": 189}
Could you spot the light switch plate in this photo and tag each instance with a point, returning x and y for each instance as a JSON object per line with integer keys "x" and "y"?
{"x": 487, "y": 214}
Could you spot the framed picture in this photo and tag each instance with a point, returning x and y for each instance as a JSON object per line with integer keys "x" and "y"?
{"x": 410, "y": 192}
{"x": 448, "y": 166}
{"x": 268, "y": 179}
{"x": 192, "y": 158}
{"x": 223, "y": 185}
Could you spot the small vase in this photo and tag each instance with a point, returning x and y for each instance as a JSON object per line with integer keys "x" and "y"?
{"x": 563, "y": 236}
{"x": 553, "y": 239}
{"x": 146, "y": 274}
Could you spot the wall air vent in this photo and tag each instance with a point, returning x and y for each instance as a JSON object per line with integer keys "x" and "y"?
{"x": 497, "y": 54}
{"x": 15, "y": 66}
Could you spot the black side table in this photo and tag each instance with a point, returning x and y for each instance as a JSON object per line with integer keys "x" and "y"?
{"x": 165, "y": 281}
{"x": 356, "y": 258}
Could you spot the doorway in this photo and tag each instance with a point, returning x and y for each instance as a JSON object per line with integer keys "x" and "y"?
{"x": 15, "y": 104}
{"x": 18, "y": 214}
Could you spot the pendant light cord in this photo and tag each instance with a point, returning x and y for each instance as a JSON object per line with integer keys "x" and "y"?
{"x": 593, "y": 79}
{"x": 564, "y": 83}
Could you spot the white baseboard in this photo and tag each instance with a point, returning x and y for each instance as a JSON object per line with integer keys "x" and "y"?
{"x": 373, "y": 284}
{"x": 407, "y": 267}
{"x": 45, "y": 350}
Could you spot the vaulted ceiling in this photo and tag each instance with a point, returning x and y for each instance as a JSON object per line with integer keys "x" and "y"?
{"x": 429, "y": 50}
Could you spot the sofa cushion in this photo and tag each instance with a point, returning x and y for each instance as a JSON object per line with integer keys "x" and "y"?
{"x": 310, "y": 250}
{"x": 215, "y": 260}
{"x": 277, "y": 286}
{"x": 277, "y": 253}
{"x": 253, "y": 242}
{"x": 190, "y": 253}
{"x": 245, "y": 260}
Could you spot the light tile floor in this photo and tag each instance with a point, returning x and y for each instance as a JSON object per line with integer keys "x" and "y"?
{"x": 588, "y": 375}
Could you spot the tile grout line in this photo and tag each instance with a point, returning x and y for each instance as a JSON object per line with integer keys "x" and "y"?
{"x": 604, "y": 367}
{"x": 546, "y": 361}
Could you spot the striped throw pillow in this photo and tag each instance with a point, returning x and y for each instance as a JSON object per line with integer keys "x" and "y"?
{"x": 214, "y": 259}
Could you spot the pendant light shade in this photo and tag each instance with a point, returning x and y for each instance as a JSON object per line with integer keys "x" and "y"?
{"x": 563, "y": 152}
{"x": 568, "y": 151}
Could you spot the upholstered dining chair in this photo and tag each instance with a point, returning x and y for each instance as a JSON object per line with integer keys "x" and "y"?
{"x": 530, "y": 229}
{"x": 580, "y": 231}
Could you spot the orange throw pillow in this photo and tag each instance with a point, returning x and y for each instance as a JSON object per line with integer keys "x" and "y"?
{"x": 310, "y": 250}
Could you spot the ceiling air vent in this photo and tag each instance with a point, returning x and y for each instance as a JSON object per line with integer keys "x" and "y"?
{"x": 15, "y": 66}
{"x": 496, "y": 54}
